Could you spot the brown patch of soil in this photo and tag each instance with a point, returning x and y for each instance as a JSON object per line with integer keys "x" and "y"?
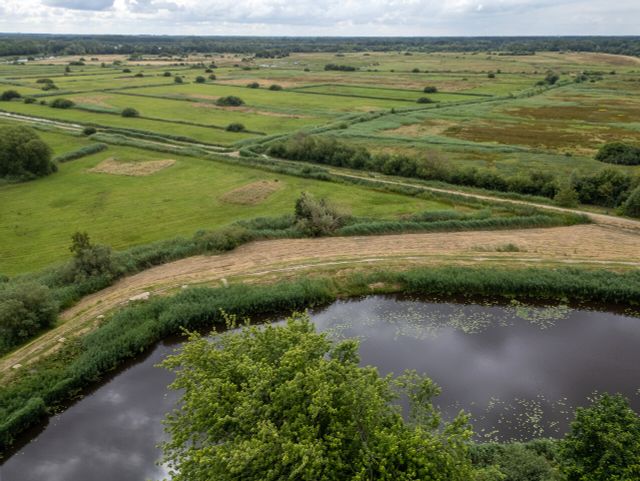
{"x": 97, "y": 100}
{"x": 252, "y": 194}
{"x": 428, "y": 127}
{"x": 137, "y": 169}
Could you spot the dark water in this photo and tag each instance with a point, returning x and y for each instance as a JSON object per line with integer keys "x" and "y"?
{"x": 520, "y": 371}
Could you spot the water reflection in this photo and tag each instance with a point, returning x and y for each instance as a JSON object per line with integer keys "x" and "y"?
{"x": 520, "y": 371}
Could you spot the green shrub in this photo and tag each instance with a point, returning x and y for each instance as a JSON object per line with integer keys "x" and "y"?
{"x": 631, "y": 207}
{"x": 235, "y": 127}
{"x": 317, "y": 217}
{"x": 61, "y": 104}
{"x": 567, "y": 195}
{"x": 130, "y": 112}
{"x": 619, "y": 153}
{"x": 89, "y": 131}
{"x": 29, "y": 100}
{"x": 177, "y": 79}
{"x": 222, "y": 240}
{"x": 340, "y": 68}
{"x": 430, "y": 90}
{"x": 230, "y": 101}
{"x": 25, "y": 309}
{"x": 49, "y": 86}
{"x": 81, "y": 152}
{"x": 200, "y": 79}
{"x": 424, "y": 100}
{"x": 8, "y": 95}
{"x": 167, "y": 74}
{"x": 275, "y": 87}
{"x": 253, "y": 85}
{"x": 212, "y": 76}
{"x": 90, "y": 260}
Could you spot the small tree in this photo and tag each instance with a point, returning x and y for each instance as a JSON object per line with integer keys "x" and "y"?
{"x": 167, "y": 74}
{"x": 89, "y": 131}
{"x": 430, "y": 90}
{"x": 604, "y": 442}
{"x": 200, "y": 79}
{"x": 130, "y": 112}
{"x": 177, "y": 79}
{"x": 567, "y": 195}
{"x": 275, "y": 87}
{"x": 253, "y": 85}
{"x": 631, "y": 207}
{"x": 317, "y": 217}
{"x": 424, "y": 100}
{"x": 212, "y": 76}
{"x": 90, "y": 260}
{"x": 551, "y": 78}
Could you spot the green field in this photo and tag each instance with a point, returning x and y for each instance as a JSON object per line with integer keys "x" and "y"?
{"x": 37, "y": 218}
{"x": 489, "y": 113}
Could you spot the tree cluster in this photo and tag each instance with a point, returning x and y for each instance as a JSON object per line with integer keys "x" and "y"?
{"x": 607, "y": 188}
{"x": 619, "y": 153}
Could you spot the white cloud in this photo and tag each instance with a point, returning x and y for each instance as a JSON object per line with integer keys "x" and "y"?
{"x": 324, "y": 17}
{"x": 80, "y": 4}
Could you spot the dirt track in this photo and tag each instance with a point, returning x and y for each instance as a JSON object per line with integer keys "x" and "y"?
{"x": 598, "y": 245}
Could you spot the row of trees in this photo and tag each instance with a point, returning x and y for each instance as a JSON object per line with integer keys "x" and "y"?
{"x": 608, "y": 188}
{"x": 269, "y": 47}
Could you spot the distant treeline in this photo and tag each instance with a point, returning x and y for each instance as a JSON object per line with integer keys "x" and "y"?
{"x": 265, "y": 47}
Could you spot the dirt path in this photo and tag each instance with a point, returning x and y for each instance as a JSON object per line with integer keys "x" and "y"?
{"x": 602, "y": 219}
{"x": 598, "y": 245}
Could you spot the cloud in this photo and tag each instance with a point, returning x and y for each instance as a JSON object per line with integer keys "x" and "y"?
{"x": 324, "y": 17}
{"x": 81, "y": 4}
{"x": 151, "y": 6}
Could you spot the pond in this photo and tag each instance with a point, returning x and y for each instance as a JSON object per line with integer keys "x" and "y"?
{"x": 519, "y": 370}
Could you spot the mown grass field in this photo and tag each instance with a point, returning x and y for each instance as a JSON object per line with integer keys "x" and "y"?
{"x": 37, "y": 218}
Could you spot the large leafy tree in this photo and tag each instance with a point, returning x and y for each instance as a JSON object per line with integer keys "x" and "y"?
{"x": 23, "y": 154}
{"x": 604, "y": 442}
{"x": 285, "y": 403}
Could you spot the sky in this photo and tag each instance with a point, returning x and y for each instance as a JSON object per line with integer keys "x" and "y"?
{"x": 323, "y": 17}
